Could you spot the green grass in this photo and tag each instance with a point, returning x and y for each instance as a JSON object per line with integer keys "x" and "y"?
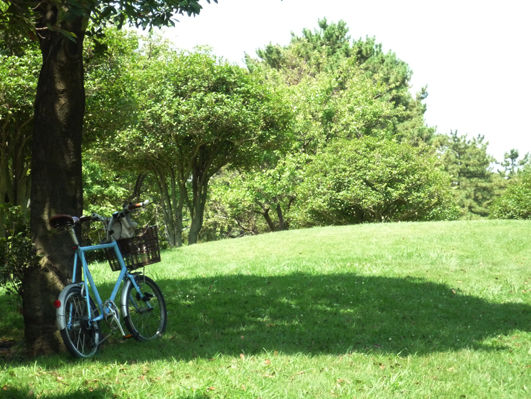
{"x": 410, "y": 310}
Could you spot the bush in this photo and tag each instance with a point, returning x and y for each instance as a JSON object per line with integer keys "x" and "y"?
{"x": 371, "y": 180}
{"x": 16, "y": 248}
{"x": 514, "y": 202}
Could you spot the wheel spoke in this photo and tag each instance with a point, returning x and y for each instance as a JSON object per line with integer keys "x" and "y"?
{"x": 80, "y": 336}
{"x": 146, "y": 310}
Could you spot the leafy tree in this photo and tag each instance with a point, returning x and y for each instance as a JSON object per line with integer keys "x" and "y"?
{"x": 357, "y": 73}
{"x": 512, "y": 163}
{"x": 373, "y": 180}
{"x": 340, "y": 90}
{"x": 110, "y": 63}
{"x": 18, "y": 69}
{"x": 115, "y": 81}
{"x": 16, "y": 248}
{"x": 103, "y": 187}
{"x": 17, "y": 91}
{"x": 514, "y": 202}
{"x": 60, "y": 27}
{"x": 110, "y": 105}
{"x": 309, "y": 54}
{"x": 195, "y": 116}
{"x": 272, "y": 190}
{"x": 266, "y": 191}
{"x": 467, "y": 161}
{"x": 230, "y": 211}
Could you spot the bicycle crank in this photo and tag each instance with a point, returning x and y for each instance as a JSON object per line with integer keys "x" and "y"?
{"x": 111, "y": 316}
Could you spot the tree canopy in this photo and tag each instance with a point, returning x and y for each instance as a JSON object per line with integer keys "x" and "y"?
{"x": 324, "y": 130}
{"x": 192, "y": 116}
{"x": 60, "y": 27}
{"x": 26, "y": 17}
{"x": 341, "y": 90}
{"x": 374, "y": 180}
{"x": 17, "y": 89}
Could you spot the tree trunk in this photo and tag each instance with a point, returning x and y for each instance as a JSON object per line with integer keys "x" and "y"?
{"x": 200, "y": 191}
{"x": 268, "y": 219}
{"x": 167, "y": 210}
{"x": 4, "y": 173}
{"x": 282, "y": 225}
{"x": 14, "y": 160}
{"x": 172, "y": 208}
{"x": 179, "y": 215}
{"x": 178, "y": 204}
{"x": 56, "y": 177}
{"x": 21, "y": 164}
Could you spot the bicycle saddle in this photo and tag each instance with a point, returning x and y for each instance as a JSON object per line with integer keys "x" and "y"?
{"x": 60, "y": 222}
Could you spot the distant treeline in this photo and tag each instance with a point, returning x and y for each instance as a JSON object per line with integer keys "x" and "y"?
{"x": 324, "y": 130}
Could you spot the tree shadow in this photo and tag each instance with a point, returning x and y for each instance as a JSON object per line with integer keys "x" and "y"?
{"x": 328, "y": 314}
{"x": 17, "y": 393}
{"x": 12, "y": 393}
{"x": 320, "y": 314}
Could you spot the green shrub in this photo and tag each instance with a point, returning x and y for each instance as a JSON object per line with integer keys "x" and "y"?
{"x": 16, "y": 248}
{"x": 515, "y": 201}
{"x": 371, "y": 180}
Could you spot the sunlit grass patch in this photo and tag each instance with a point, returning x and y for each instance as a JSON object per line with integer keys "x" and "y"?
{"x": 387, "y": 310}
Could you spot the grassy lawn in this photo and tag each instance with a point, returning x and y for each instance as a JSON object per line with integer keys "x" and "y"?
{"x": 408, "y": 310}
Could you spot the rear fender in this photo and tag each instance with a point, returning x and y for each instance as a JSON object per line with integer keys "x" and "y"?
{"x": 60, "y": 320}
{"x": 123, "y": 298}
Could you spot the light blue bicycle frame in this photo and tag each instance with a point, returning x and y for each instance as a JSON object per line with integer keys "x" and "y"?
{"x": 80, "y": 254}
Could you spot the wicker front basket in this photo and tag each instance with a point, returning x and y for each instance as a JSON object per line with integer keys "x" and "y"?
{"x": 137, "y": 251}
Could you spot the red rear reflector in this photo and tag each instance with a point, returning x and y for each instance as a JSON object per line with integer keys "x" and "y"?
{"x": 57, "y": 303}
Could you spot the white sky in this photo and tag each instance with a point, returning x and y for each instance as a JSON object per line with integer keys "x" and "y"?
{"x": 473, "y": 55}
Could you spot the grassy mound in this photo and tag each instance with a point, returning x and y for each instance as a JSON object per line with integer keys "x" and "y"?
{"x": 378, "y": 310}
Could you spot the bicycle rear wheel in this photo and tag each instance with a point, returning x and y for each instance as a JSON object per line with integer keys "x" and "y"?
{"x": 81, "y": 337}
{"x": 145, "y": 311}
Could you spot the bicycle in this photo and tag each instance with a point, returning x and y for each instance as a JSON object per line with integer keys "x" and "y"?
{"x": 79, "y": 314}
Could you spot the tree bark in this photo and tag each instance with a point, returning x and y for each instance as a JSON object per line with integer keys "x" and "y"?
{"x": 55, "y": 174}
{"x": 199, "y": 210}
{"x": 167, "y": 209}
{"x": 200, "y": 180}
{"x": 282, "y": 225}
{"x": 268, "y": 219}
{"x": 172, "y": 207}
{"x": 179, "y": 215}
{"x": 14, "y": 161}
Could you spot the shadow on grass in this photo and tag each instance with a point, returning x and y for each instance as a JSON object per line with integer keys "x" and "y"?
{"x": 12, "y": 393}
{"x": 18, "y": 393}
{"x": 328, "y": 314}
{"x": 321, "y": 314}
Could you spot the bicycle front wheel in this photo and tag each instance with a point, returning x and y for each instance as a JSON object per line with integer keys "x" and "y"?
{"x": 144, "y": 311}
{"x": 80, "y": 335}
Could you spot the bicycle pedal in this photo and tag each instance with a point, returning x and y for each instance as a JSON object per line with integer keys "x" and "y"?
{"x": 127, "y": 336}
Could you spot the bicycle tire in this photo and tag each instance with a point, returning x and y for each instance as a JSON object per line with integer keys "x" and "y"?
{"x": 80, "y": 337}
{"x": 145, "y": 314}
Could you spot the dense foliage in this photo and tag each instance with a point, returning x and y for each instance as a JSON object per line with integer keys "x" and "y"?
{"x": 190, "y": 116}
{"x": 342, "y": 91}
{"x": 371, "y": 180}
{"x": 18, "y": 81}
{"x": 467, "y": 161}
{"x": 16, "y": 249}
{"x": 515, "y": 200}
{"x": 323, "y": 130}
{"x": 60, "y": 27}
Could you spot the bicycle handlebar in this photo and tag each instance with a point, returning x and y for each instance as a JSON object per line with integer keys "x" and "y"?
{"x": 85, "y": 218}
{"x": 130, "y": 207}
{"x": 62, "y": 221}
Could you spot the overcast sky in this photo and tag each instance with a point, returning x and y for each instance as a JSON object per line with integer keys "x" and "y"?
{"x": 474, "y": 56}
